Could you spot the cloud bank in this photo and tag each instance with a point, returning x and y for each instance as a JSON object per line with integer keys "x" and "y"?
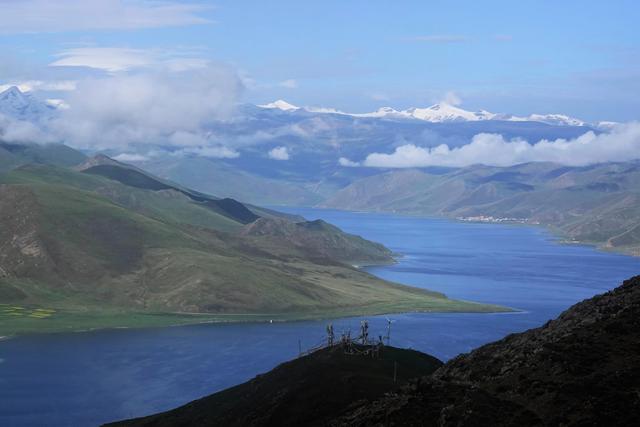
{"x": 116, "y": 59}
{"x": 22, "y": 132}
{"x": 148, "y": 107}
{"x": 622, "y": 143}
{"x": 104, "y": 58}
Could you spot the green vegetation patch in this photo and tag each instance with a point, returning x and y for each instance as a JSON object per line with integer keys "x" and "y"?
{"x": 10, "y": 312}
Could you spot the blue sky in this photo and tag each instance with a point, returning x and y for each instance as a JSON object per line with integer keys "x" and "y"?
{"x": 580, "y": 58}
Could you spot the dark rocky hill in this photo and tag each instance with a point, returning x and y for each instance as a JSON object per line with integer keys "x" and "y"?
{"x": 305, "y": 391}
{"x": 581, "y": 369}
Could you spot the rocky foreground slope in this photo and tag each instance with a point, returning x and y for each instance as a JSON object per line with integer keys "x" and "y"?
{"x": 581, "y": 369}
{"x": 307, "y": 391}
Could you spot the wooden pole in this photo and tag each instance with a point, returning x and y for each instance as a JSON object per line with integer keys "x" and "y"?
{"x": 395, "y": 371}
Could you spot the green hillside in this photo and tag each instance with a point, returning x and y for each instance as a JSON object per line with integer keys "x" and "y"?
{"x": 93, "y": 252}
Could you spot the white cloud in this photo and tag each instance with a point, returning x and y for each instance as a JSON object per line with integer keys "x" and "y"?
{"x": 289, "y": 84}
{"x": 20, "y": 132}
{"x": 187, "y": 139}
{"x": 621, "y": 144}
{"x": 343, "y": 161}
{"x": 39, "y": 16}
{"x": 130, "y": 157}
{"x": 148, "y": 107}
{"x": 117, "y": 59}
{"x": 279, "y": 153}
{"x": 105, "y": 58}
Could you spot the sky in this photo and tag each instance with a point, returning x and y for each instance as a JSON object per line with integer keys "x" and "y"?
{"x": 580, "y": 58}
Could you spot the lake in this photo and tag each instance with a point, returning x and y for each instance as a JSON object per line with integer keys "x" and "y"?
{"x": 84, "y": 379}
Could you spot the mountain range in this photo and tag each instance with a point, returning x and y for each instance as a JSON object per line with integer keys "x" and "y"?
{"x": 314, "y": 144}
{"x": 25, "y": 106}
{"x": 595, "y": 204}
{"x": 439, "y": 113}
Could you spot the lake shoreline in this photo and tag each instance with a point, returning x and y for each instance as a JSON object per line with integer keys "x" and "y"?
{"x": 114, "y": 373}
{"x": 142, "y": 320}
{"x": 561, "y": 237}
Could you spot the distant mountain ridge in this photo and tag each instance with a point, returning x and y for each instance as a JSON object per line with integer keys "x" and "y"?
{"x": 598, "y": 204}
{"x": 25, "y": 106}
{"x": 437, "y": 113}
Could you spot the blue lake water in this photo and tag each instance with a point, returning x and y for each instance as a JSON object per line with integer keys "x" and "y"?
{"x": 85, "y": 379}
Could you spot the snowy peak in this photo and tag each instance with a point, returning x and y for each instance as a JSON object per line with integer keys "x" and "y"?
{"x": 447, "y": 113}
{"x": 23, "y": 106}
{"x": 437, "y": 113}
{"x": 280, "y": 104}
{"x": 12, "y": 92}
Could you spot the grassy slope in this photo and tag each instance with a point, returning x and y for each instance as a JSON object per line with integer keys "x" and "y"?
{"x": 168, "y": 206}
{"x": 144, "y": 261}
{"x": 138, "y": 178}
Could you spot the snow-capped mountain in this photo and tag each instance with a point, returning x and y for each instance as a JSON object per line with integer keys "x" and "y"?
{"x": 280, "y": 105}
{"x": 23, "y": 106}
{"x": 435, "y": 114}
{"x": 438, "y": 113}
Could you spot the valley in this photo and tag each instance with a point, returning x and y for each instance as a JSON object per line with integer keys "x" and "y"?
{"x": 319, "y": 213}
